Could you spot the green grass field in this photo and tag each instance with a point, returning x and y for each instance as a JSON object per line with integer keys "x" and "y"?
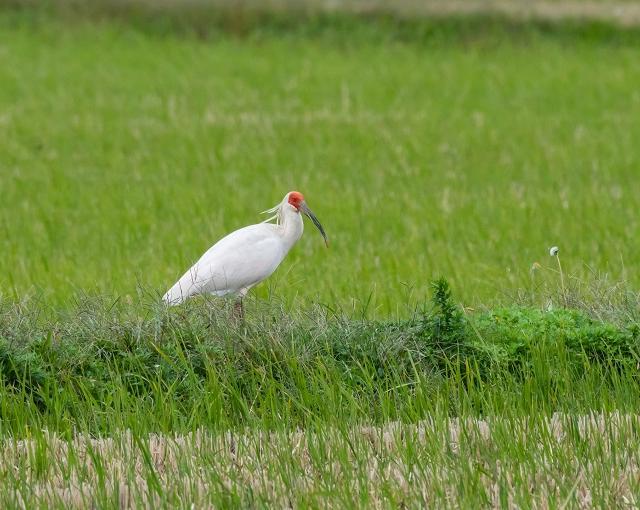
{"x": 125, "y": 156}
{"x": 462, "y": 148}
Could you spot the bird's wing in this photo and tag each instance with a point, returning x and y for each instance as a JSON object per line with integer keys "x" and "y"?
{"x": 235, "y": 263}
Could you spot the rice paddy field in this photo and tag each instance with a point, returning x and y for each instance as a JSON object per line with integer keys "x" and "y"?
{"x": 435, "y": 355}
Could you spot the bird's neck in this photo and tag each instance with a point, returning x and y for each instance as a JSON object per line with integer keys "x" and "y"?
{"x": 291, "y": 226}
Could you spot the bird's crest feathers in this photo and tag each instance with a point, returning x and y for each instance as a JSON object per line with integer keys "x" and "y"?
{"x": 276, "y": 213}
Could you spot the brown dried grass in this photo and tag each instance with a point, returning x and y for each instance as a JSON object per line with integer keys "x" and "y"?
{"x": 553, "y": 459}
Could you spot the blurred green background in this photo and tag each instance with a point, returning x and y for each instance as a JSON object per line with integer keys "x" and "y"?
{"x": 134, "y": 135}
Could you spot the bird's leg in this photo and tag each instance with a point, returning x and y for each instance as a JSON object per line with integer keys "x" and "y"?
{"x": 238, "y": 310}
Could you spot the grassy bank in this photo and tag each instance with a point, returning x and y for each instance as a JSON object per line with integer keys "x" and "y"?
{"x": 100, "y": 371}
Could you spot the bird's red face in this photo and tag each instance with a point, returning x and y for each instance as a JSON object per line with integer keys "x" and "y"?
{"x": 296, "y": 199}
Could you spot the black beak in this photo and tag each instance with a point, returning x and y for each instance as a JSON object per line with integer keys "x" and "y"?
{"x": 305, "y": 209}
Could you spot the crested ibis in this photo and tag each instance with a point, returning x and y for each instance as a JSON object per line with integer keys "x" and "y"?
{"x": 247, "y": 256}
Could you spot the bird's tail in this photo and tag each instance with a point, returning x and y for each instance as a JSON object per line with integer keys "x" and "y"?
{"x": 188, "y": 285}
{"x": 175, "y": 295}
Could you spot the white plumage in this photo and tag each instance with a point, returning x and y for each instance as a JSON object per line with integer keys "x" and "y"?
{"x": 247, "y": 256}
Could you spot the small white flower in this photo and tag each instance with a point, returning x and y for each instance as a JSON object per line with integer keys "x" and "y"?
{"x": 554, "y": 251}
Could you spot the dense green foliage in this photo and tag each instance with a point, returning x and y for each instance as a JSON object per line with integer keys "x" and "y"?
{"x": 213, "y": 372}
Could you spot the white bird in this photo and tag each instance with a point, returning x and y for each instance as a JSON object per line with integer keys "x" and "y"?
{"x": 247, "y": 256}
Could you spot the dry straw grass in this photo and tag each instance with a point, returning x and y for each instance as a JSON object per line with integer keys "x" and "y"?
{"x": 415, "y": 464}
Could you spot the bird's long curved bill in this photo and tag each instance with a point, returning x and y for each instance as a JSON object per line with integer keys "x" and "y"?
{"x": 305, "y": 209}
